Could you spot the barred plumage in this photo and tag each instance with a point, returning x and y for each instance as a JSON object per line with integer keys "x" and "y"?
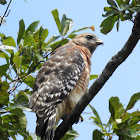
{"x": 61, "y": 82}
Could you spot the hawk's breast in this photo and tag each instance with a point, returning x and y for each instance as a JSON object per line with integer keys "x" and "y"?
{"x": 79, "y": 90}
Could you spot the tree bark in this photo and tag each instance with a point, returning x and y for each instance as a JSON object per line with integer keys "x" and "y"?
{"x": 111, "y": 66}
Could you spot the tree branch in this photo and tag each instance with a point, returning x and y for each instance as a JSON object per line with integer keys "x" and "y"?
{"x": 5, "y": 13}
{"x": 111, "y": 66}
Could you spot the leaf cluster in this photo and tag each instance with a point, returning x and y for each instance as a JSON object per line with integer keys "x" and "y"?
{"x": 122, "y": 123}
{"x": 3, "y": 2}
{"x": 119, "y": 10}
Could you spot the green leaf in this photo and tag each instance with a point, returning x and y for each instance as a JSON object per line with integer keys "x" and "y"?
{"x": 127, "y": 16}
{"x": 116, "y": 108}
{"x": 66, "y": 25}
{"x": 70, "y": 135}
{"x": 134, "y": 120}
{"x": 97, "y": 122}
{"x": 125, "y": 6}
{"x": 108, "y": 24}
{"x": 97, "y": 135}
{"x": 32, "y": 27}
{"x": 119, "y": 2}
{"x": 29, "y": 81}
{"x": 40, "y": 57}
{"x": 9, "y": 41}
{"x": 138, "y": 137}
{"x": 56, "y": 18}
{"x": 126, "y": 117}
{"x": 7, "y": 127}
{"x": 17, "y": 60}
{"x": 135, "y": 9}
{"x": 40, "y": 34}
{"x": 120, "y": 111}
{"x": 3, "y": 69}
{"x": 136, "y": 113}
{"x": 26, "y": 60}
{"x": 21, "y": 118}
{"x": 136, "y": 127}
{"x": 96, "y": 114}
{"x": 108, "y": 8}
{"x": 93, "y": 77}
{"x": 4, "y": 55}
{"x": 21, "y": 30}
{"x": 3, "y": 136}
{"x": 81, "y": 29}
{"x": 16, "y": 106}
{"x": 33, "y": 137}
{"x": 4, "y": 98}
{"x": 71, "y": 36}
{"x": 43, "y": 34}
{"x": 126, "y": 1}
{"x": 52, "y": 39}
{"x": 133, "y": 100}
{"x": 4, "y": 95}
{"x": 29, "y": 40}
{"x": 9, "y": 118}
{"x": 111, "y": 107}
{"x": 58, "y": 44}
{"x": 22, "y": 97}
{"x": 8, "y": 132}
{"x": 131, "y": 133}
{"x": 134, "y": 2}
{"x": 3, "y": 2}
{"x": 122, "y": 17}
{"x": 111, "y": 120}
{"x": 112, "y": 3}
{"x": 7, "y": 48}
{"x": 108, "y": 13}
{"x": 2, "y": 36}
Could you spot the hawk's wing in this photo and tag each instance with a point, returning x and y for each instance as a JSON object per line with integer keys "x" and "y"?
{"x": 54, "y": 81}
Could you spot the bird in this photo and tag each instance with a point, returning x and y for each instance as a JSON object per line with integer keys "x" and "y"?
{"x": 61, "y": 82}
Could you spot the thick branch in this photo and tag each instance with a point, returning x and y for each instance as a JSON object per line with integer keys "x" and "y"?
{"x": 111, "y": 66}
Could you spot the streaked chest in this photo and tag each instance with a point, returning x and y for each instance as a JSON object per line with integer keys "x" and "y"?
{"x": 78, "y": 91}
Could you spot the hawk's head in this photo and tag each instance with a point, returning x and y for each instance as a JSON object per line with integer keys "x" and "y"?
{"x": 88, "y": 40}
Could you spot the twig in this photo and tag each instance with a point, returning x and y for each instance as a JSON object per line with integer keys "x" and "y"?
{"x": 4, "y": 111}
{"x": 9, "y": 71}
{"x": 55, "y": 48}
{"x": 5, "y": 13}
{"x": 8, "y": 13}
{"x": 13, "y": 87}
{"x": 109, "y": 69}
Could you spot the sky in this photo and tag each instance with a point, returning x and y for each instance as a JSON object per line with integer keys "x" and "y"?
{"x": 125, "y": 80}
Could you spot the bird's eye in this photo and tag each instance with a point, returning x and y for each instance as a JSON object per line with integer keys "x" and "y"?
{"x": 89, "y": 37}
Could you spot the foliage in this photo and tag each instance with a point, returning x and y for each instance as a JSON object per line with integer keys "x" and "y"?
{"x": 20, "y": 60}
{"x": 70, "y": 135}
{"x": 121, "y": 123}
{"x": 93, "y": 77}
{"x": 119, "y": 10}
{"x": 3, "y": 2}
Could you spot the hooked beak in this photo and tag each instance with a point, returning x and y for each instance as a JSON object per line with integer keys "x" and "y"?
{"x": 99, "y": 42}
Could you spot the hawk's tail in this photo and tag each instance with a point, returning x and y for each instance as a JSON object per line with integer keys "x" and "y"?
{"x": 46, "y": 123}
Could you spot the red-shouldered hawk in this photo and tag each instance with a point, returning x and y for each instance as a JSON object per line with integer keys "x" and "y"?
{"x": 61, "y": 82}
